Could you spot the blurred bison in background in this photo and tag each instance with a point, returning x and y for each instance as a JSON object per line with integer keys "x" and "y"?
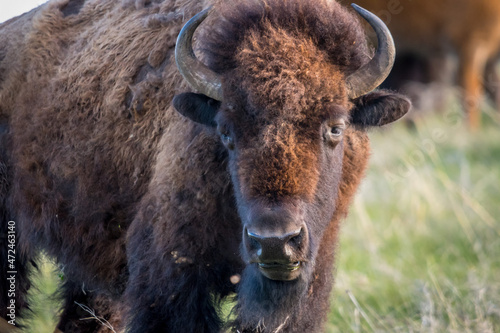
{"x": 427, "y": 32}
{"x": 157, "y": 212}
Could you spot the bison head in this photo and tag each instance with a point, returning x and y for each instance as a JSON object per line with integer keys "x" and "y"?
{"x": 283, "y": 103}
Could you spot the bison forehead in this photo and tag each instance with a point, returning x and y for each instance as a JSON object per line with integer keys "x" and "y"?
{"x": 279, "y": 163}
{"x": 286, "y": 74}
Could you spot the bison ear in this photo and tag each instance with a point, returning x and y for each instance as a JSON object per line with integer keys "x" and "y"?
{"x": 197, "y": 107}
{"x": 379, "y": 108}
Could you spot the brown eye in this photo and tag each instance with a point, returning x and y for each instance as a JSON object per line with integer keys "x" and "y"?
{"x": 333, "y": 132}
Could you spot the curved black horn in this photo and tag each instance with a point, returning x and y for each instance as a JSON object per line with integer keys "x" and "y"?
{"x": 199, "y": 76}
{"x": 372, "y": 74}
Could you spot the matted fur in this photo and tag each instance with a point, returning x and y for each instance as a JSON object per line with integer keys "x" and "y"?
{"x": 142, "y": 207}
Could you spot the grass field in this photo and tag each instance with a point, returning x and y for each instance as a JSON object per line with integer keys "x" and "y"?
{"x": 420, "y": 251}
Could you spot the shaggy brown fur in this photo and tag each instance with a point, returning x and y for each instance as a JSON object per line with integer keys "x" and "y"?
{"x": 144, "y": 209}
{"x": 428, "y": 29}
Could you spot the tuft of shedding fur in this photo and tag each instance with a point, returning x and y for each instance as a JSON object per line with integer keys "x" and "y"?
{"x": 145, "y": 207}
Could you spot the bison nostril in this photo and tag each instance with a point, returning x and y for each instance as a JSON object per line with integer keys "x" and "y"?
{"x": 253, "y": 244}
{"x": 295, "y": 241}
{"x": 295, "y": 233}
{"x": 253, "y": 237}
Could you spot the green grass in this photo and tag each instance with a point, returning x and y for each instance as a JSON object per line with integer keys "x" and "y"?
{"x": 420, "y": 251}
{"x": 44, "y": 304}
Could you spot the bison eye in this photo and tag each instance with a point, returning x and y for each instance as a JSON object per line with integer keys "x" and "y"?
{"x": 336, "y": 131}
{"x": 333, "y": 132}
{"x": 226, "y": 138}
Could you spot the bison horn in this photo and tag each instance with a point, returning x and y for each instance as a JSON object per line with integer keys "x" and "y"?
{"x": 197, "y": 74}
{"x": 372, "y": 74}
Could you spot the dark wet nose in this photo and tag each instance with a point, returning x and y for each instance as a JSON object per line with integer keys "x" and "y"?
{"x": 275, "y": 248}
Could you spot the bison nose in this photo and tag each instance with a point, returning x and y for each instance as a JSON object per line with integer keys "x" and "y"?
{"x": 269, "y": 248}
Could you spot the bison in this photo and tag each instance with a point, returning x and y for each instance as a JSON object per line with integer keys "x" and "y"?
{"x": 429, "y": 31}
{"x": 158, "y": 211}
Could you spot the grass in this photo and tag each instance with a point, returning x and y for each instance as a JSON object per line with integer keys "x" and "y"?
{"x": 44, "y": 304}
{"x": 420, "y": 251}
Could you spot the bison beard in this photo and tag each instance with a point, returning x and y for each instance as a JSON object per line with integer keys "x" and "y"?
{"x": 152, "y": 204}
{"x": 265, "y": 304}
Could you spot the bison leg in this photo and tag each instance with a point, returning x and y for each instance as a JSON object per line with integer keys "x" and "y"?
{"x": 473, "y": 60}
{"x": 87, "y": 312}
{"x": 492, "y": 81}
{"x": 180, "y": 271}
{"x": 168, "y": 292}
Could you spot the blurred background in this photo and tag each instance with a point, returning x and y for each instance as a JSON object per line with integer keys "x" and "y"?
{"x": 420, "y": 251}
{"x": 443, "y": 45}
